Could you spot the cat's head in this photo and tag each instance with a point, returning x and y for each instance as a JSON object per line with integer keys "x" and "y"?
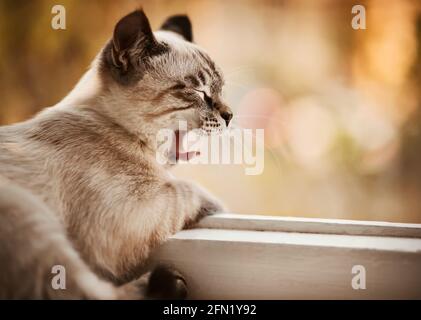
{"x": 156, "y": 79}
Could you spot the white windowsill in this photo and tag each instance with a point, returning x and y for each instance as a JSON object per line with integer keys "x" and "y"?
{"x": 232, "y": 256}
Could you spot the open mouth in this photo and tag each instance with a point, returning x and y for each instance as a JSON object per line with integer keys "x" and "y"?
{"x": 179, "y": 152}
{"x": 185, "y": 146}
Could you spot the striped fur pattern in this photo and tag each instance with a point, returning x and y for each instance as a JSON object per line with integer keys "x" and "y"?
{"x": 79, "y": 183}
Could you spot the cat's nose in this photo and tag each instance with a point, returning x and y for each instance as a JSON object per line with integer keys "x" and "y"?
{"x": 227, "y": 116}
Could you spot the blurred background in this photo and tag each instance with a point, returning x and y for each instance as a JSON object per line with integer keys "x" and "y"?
{"x": 341, "y": 108}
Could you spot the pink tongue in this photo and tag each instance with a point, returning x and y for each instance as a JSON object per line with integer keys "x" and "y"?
{"x": 179, "y": 155}
{"x": 185, "y": 156}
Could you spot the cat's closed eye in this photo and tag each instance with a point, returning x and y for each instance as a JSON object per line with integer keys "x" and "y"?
{"x": 206, "y": 98}
{"x": 179, "y": 86}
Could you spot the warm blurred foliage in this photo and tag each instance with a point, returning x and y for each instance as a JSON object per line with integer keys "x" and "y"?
{"x": 340, "y": 107}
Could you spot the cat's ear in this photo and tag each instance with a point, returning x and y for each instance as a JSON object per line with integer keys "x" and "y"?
{"x": 132, "y": 35}
{"x": 179, "y": 24}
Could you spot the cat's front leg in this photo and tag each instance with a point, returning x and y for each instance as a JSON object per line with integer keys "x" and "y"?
{"x": 207, "y": 204}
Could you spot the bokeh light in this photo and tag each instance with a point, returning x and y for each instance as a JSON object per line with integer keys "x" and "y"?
{"x": 341, "y": 108}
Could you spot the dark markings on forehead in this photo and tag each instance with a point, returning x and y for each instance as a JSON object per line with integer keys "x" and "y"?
{"x": 201, "y": 77}
{"x": 207, "y": 60}
{"x": 207, "y": 71}
{"x": 193, "y": 80}
{"x": 209, "y": 67}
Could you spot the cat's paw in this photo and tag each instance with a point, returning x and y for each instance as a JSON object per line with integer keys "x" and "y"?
{"x": 209, "y": 207}
{"x": 166, "y": 283}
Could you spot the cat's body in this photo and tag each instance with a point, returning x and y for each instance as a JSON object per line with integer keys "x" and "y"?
{"x": 79, "y": 183}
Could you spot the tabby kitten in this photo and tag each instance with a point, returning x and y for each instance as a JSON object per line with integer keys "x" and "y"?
{"x": 79, "y": 183}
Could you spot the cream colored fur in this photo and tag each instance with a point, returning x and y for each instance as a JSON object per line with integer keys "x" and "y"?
{"x": 80, "y": 186}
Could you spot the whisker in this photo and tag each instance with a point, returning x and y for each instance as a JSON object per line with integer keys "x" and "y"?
{"x": 236, "y": 84}
{"x": 239, "y": 69}
{"x": 168, "y": 111}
